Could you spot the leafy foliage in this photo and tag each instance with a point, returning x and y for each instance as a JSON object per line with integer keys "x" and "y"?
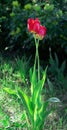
{"x": 35, "y": 107}
{"x": 58, "y": 71}
{"x": 55, "y": 65}
{"x": 13, "y": 114}
{"x": 23, "y": 67}
{"x": 14, "y": 19}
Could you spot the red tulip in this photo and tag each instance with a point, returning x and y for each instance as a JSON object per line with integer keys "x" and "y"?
{"x": 42, "y": 32}
{"x": 35, "y": 27}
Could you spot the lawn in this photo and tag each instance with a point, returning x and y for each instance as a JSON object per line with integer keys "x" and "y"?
{"x": 12, "y": 111}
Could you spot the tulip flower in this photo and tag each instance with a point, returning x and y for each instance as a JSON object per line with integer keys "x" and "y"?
{"x": 33, "y": 25}
{"x": 42, "y": 32}
{"x": 39, "y": 33}
{"x": 36, "y": 28}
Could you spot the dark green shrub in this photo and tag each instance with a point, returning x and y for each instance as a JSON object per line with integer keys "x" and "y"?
{"x": 13, "y": 22}
{"x": 58, "y": 71}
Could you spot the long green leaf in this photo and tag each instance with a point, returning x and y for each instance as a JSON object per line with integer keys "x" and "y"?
{"x": 44, "y": 76}
{"x": 38, "y": 89}
{"x": 27, "y": 102}
{"x": 10, "y": 91}
{"x": 33, "y": 81}
{"x": 42, "y": 113}
{"x": 36, "y": 92}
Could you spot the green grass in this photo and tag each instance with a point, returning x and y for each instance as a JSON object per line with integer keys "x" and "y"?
{"x": 10, "y": 107}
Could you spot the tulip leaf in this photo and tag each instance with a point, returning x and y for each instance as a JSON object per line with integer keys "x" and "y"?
{"x": 38, "y": 89}
{"x": 53, "y": 99}
{"x": 44, "y": 76}
{"x": 26, "y": 100}
{"x": 33, "y": 80}
{"x": 10, "y": 91}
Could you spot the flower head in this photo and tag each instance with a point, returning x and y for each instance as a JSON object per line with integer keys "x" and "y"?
{"x": 42, "y": 32}
{"x": 36, "y": 28}
{"x": 33, "y": 25}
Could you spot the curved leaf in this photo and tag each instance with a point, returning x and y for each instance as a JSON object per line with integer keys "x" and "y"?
{"x": 10, "y": 91}
{"x": 27, "y": 102}
{"x": 53, "y": 99}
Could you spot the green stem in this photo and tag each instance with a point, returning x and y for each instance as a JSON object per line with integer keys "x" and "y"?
{"x": 37, "y": 58}
{"x": 38, "y": 65}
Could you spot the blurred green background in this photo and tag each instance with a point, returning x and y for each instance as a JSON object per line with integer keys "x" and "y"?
{"x": 14, "y": 36}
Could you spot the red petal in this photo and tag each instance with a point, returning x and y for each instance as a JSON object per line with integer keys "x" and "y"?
{"x": 42, "y": 31}
{"x": 30, "y": 24}
{"x": 36, "y": 26}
